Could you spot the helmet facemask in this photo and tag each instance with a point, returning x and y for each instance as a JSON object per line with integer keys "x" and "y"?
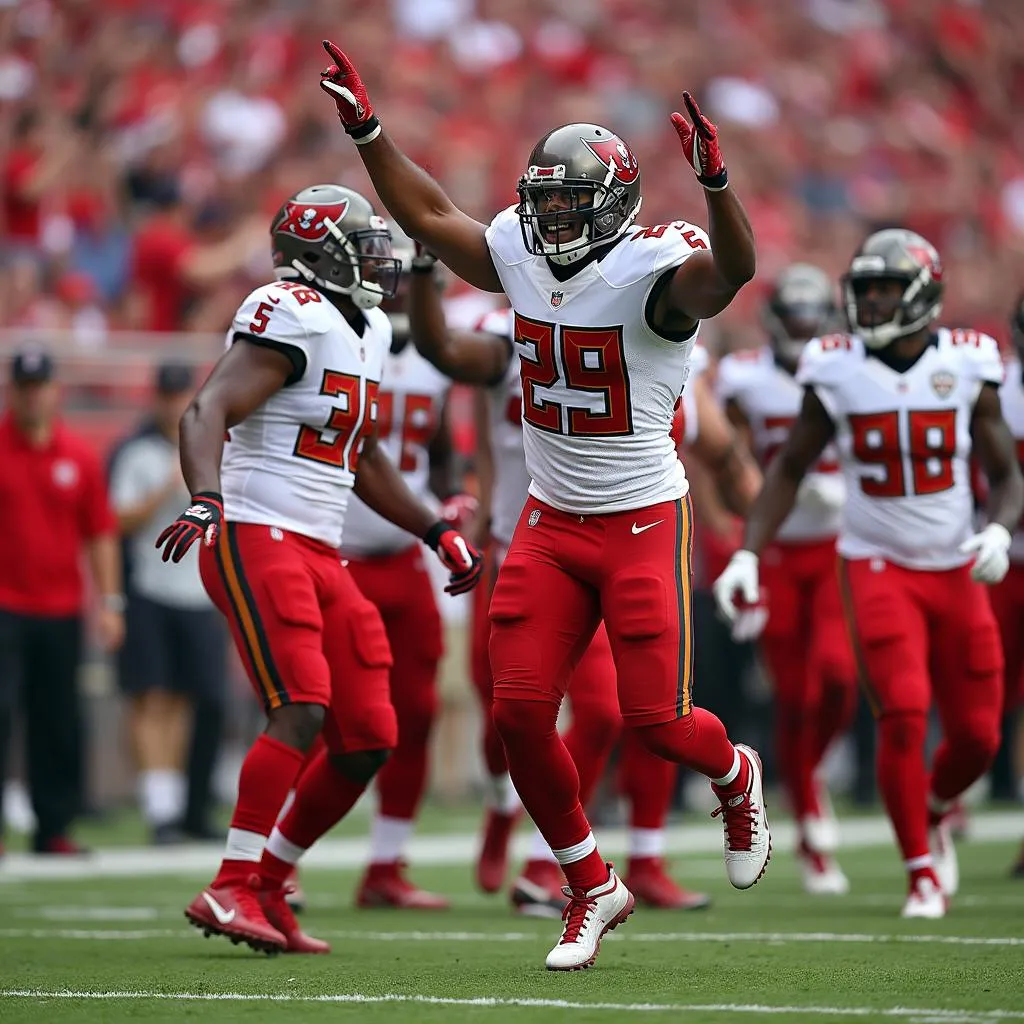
{"x": 911, "y": 312}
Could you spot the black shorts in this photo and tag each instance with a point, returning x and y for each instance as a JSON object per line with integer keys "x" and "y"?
{"x": 174, "y": 649}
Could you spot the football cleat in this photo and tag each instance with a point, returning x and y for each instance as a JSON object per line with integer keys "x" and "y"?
{"x": 279, "y": 913}
{"x": 819, "y": 873}
{"x": 944, "y": 858}
{"x": 748, "y": 842}
{"x": 649, "y": 882}
{"x": 821, "y": 831}
{"x": 294, "y": 895}
{"x": 385, "y": 885}
{"x": 233, "y": 910}
{"x": 587, "y": 916}
{"x": 538, "y": 891}
{"x": 925, "y": 898}
{"x": 492, "y": 864}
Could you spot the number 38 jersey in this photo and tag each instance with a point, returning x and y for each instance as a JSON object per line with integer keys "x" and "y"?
{"x": 599, "y": 386}
{"x": 904, "y": 443}
{"x": 292, "y": 462}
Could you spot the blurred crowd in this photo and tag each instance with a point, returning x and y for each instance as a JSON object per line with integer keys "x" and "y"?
{"x": 146, "y": 142}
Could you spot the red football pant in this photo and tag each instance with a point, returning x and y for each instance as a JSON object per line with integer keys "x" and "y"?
{"x": 480, "y": 662}
{"x": 563, "y": 574}
{"x": 1008, "y": 605}
{"x": 400, "y": 588}
{"x": 919, "y": 635}
{"x": 806, "y": 649}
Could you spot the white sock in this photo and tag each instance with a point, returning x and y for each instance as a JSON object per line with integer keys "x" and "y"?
{"x": 243, "y": 845}
{"x": 571, "y": 854}
{"x": 388, "y": 837}
{"x": 646, "y": 842}
{"x": 730, "y": 775}
{"x": 283, "y": 849}
{"x": 286, "y": 806}
{"x": 162, "y": 795}
{"x": 539, "y": 849}
{"x": 917, "y": 863}
{"x": 501, "y": 795}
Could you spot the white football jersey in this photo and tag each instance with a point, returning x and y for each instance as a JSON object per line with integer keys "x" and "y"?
{"x": 292, "y": 463}
{"x": 686, "y": 419}
{"x": 1011, "y": 395}
{"x": 904, "y": 443}
{"x": 409, "y": 407}
{"x": 599, "y": 386}
{"x": 770, "y": 399}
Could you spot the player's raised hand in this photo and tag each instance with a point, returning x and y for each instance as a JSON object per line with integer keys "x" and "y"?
{"x": 699, "y": 139}
{"x": 201, "y": 519}
{"x": 342, "y": 83}
{"x": 740, "y": 578}
{"x": 457, "y": 555}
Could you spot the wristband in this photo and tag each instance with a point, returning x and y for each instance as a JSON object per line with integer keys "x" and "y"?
{"x": 114, "y": 603}
{"x": 366, "y": 132}
{"x": 433, "y": 536}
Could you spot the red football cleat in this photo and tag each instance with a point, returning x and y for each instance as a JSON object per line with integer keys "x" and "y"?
{"x": 234, "y": 911}
{"x": 649, "y": 883}
{"x": 538, "y": 891}
{"x": 492, "y": 864}
{"x": 279, "y": 913}
{"x": 385, "y": 885}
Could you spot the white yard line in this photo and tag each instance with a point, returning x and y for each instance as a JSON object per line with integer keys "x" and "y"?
{"x": 694, "y": 838}
{"x": 904, "y": 1012}
{"x": 773, "y": 938}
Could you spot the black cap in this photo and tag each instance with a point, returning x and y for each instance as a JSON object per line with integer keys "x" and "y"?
{"x": 31, "y": 366}
{"x": 174, "y": 378}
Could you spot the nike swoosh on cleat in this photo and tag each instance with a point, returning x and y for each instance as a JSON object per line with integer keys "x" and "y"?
{"x": 642, "y": 529}
{"x": 222, "y": 915}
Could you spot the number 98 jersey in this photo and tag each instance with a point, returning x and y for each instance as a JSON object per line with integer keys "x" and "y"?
{"x": 599, "y": 385}
{"x": 904, "y": 442}
{"x": 292, "y": 462}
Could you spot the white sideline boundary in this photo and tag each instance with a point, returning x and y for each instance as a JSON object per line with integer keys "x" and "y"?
{"x": 904, "y": 1012}
{"x": 692, "y": 838}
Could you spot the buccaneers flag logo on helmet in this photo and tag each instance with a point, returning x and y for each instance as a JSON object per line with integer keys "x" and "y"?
{"x": 303, "y": 221}
{"x": 616, "y": 156}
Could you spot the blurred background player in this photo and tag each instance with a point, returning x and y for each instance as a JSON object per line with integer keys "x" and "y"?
{"x": 172, "y": 666}
{"x": 387, "y": 565}
{"x": 804, "y": 644}
{"x": 488, "y": 358}
{"x": 906, "y": 403}
{"x": 281, "y": 427}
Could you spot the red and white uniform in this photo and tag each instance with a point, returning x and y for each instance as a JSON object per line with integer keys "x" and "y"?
{"x": 303, "y": 630}
{"x": 1008, "y": 596}
{"x": 607, "y": 529}
{"x": 686, "y": 419}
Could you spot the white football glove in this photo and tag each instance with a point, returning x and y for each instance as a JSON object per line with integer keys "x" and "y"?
{"x": 822, "y": 492}
{"x": 991, "y": 549}
{"x": 740, "y": 576}
{"x": 749, "y": 623}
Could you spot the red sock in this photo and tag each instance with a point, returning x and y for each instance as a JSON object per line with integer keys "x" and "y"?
{"x": 795, "y": 748}
{"x": 587, "y": 873}
{"x": 835, "y": 713}
{"x": 903, "y": 779}
{"x": 697, "y": 740}
{"x": 648, "y": 782}
{"x": 965, "y": 754}
{"x": 589, "y": 741}
{"x": 403, "y": 779}
{"x": 268, "y": 772}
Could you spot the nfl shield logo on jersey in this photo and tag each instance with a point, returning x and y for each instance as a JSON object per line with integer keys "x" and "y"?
{"x": 556, "y": 298}
{"x": 943, "y": 383}
{"x": 534, "y": 517}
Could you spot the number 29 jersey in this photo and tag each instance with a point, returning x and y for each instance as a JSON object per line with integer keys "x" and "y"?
{"x": 292, "y": 462}
{"x": 904, "y": 442}
{"x": 599, "y": 386}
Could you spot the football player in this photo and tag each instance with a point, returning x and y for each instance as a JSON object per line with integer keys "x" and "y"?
{"x": 606, "y": 315}
{"x": 905, "y": 404}
{"x": 273, "y": 445}
{"x": 804, "y": 644}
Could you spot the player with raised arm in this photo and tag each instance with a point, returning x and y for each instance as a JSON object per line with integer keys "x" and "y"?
{"x": 805, "y": 645}
{"x": 606, "y": 316}
{"x": 906, "y": 404}
{"x": 276, "y": 440}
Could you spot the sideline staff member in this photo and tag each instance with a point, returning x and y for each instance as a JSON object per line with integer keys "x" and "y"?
{"x": 53, "y": 503}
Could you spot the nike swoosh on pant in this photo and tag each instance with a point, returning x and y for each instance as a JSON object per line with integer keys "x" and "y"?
{"x": 649, "y": 526}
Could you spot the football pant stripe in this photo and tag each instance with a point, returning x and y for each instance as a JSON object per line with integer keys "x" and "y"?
{"x": 846, "y": 593}
{"x": 683, "y": 565}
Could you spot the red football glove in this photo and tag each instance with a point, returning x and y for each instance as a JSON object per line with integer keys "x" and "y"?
{"x": 457, "y": 555}
{"x": 342, "y": 83}
{"x": 459, "y": 509}
{"x": 700, "y": 144}
{"x": 201, "y": 519}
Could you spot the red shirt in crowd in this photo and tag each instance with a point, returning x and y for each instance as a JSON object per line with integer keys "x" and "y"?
{"x": 52, "y": 501}
{"x": 21, "y": 216}
{"x": 161, "y": 248}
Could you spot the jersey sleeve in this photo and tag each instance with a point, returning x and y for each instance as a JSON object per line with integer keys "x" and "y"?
{"x": 272, "y": 317}
{"x": 505, "y": 240}
{"x": 985, "y": 361}
{"x": 727, "y": 382}
{"x": 679, "y": 242}
{"x": 498, "y": 321}
{"x": 822, "y": 365}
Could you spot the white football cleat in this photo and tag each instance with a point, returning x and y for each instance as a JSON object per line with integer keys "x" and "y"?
{"x": 748, "y": 842}
{"x": 820, "y": 874}
{"x": 925, "y": 899}
{"x": 821, "y": 831}
{"x": 587, "y": 916}
{"x": 944, "y": 859}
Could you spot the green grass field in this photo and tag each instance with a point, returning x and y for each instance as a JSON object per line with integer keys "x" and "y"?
{"x": 110, "y": 948}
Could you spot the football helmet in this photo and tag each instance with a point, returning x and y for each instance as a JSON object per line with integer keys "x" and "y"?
{"x": 799, "y": 307}
{"x": 895, "y": 254}
{"x": 330, "y": 236}
{"x": 581, "y": 190}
